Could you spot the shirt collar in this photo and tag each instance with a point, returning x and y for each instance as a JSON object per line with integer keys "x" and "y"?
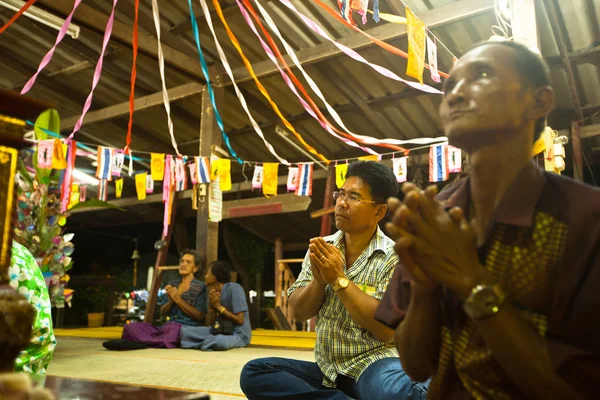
{"x": 518, "y": 205}
{"x": 378, "y": 242}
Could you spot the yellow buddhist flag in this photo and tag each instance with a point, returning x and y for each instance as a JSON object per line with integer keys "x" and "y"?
{"x": 340, "y": 175}
{"x": 214, "y": 169}
{"x": 270, "y": 176}
{"x": 373, "y": 157}
{"x": 58, "y": 156}
{"x": 140, "y": 185}
{"x": 225, "y": 174}
{"x": 119, "y": 187}
{"x": 415, "y": 29}
{"x": 157, "y": 166}
{"x": 74, "y": 196}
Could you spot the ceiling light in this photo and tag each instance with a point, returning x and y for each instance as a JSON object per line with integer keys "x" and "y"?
{"x": 41, "y": 16}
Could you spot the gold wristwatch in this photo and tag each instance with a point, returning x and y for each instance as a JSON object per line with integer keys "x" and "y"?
{"x": 341, "y": 283}
{"x": 484, "y": 301}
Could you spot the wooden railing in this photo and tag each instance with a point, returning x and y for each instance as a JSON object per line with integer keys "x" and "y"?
{"x": 285, "y": 279}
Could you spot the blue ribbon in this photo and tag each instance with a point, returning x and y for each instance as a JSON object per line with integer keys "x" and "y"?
{"x": 376, "y": 10}
{"x": 210, "y": 89}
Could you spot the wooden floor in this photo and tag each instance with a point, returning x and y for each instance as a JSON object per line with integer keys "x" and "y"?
{"x": 260, "y": 337}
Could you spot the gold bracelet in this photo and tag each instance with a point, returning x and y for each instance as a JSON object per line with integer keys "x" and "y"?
{"x": 221, "y": 310}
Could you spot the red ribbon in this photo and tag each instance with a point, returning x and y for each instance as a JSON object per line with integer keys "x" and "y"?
{"x": 133, "y": 76}
{"x": 17, "y": 15}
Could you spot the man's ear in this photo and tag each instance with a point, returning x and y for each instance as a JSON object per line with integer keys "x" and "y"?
{"x": 543, "y": 103}
{"x": 381, "y": 212}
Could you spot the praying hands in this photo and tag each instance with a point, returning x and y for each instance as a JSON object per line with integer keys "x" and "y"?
{"x": 437, "y": 247}
{"x": 326, "y": 261}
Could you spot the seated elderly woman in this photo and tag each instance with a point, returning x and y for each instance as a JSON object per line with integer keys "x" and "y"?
{"x": 16, "y": 327}
{"x": 186, "y": 307}
{"x": 228, "y": 315}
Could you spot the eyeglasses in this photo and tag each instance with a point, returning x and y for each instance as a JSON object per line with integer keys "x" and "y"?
{"x": 350, "y": 199}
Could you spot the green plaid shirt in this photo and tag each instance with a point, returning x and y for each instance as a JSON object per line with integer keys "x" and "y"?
{"x": 343, "y": 346}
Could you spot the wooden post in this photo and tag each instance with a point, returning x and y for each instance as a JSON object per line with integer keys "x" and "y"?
{"x": 328, "y": 201}
{"x": 278, "y": 256}
{"x": 207, "y": 232}
{"x": 161, "y": 259}
{"x": 577, "y": 154}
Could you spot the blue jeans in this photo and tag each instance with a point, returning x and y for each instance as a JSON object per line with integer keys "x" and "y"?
{"x": 283, "y": 378}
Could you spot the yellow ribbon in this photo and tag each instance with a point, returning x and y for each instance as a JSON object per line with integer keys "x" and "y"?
{"x": 262, "y": 89}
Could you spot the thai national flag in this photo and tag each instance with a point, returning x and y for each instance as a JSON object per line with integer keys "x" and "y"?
{"x": 438, "y": 163}
{"x": 103, "y": 171}
{"x": 305, "y": 175}
{"x": 103, "y": 190}
{"x": 203, "y": 165}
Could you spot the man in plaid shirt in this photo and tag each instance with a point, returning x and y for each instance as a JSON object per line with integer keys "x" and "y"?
{"x": 343, "y": 279}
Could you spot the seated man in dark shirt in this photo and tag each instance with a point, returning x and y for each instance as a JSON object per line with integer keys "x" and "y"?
{"x": 496, "y": 295}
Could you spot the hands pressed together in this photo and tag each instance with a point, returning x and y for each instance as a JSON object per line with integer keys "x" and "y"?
{"x": 173, "y": 293}
{"x": 435, "y": 246}
{"x": 326, "y": 261}
{"x": 214, "y": 298}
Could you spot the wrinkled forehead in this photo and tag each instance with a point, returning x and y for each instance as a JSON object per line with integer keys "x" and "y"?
{"x": 355, "y": 184}
{"x": 490, "y": 54}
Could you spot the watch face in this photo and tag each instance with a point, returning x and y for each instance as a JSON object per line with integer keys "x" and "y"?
{"x": 344, "y": 282}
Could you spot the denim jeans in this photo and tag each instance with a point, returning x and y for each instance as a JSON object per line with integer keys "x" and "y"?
{"x": 283, "y": 378}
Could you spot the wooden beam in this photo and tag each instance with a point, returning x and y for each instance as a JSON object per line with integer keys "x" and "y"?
{"x": 590, "y": 55}
{"x": 446, "y": 14}
{"x": 96, "y": 20}
{"x": 295, "y": 246}
{"x": 141, "y": 103}
{"x": 589, "y": 131}
{"x": 285, "y": 203}
{"x": 207, "y": 232}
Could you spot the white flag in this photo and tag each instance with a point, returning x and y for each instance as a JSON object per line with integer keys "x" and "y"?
{"x": 257, "y": 178}
{"x": 432, "y": 60}
{"x": 400, "y": 169}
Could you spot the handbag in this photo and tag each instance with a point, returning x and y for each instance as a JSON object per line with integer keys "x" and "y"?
{"x": 222, "y": 326}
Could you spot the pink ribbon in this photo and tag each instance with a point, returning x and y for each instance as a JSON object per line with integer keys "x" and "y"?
{"x": 290, "y": 84}
{"x": 348, "y": 51}
{"x": 98, "y": 70}
{"x": 48, "y": 56}
{"x": 167, "y": 185}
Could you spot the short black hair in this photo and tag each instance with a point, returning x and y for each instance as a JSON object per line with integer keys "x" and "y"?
{"x": 532, "y": 68}
{"x": 221, "y": 270}
{"x": 380, "y": 178}
{"x": 195, "y": 254}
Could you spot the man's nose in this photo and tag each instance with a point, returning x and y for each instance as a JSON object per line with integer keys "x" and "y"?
{"x": 457, "y": 94}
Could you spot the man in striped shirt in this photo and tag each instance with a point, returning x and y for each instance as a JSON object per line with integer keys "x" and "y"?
{"x": 343, "y": 279}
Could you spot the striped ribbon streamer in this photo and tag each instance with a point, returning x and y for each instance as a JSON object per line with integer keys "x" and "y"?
{"x": 211, "y": 92}
{"x": 261, "y": 88}
{"x": 17, "y": 15}
{"x": 365, "y": 139}
{"x": 239, "y": 94}
{"x": 324, "y": 123}
{"x": 48, "y": 56}
{"x": 161, "y": 67}
{"x": 348, "y": 51}
{"x": 380, "y": 43}
{"x": 97, "y": 71}
{"x": 133, "y": 77}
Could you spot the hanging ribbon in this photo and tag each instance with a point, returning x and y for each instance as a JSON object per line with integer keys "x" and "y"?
{"x": 261, "y": 88}
{"x": 238, "y": 93}
{"x": 161, "y": 67}
{"x": 321, "y": 119}
{"x": 348, "y": 51}
{"x": 48, "y": 56}
{"x": 168, "y": 183}
{"x": 103, "y": 189}
{"x": 208, "y": 85}
{"x": 17, "y": 15}
{"x": 394, "y": 19}
{"x": 97, "y": 71}
{"x": 133, "y": 75}
{"x": 362, "y": 138}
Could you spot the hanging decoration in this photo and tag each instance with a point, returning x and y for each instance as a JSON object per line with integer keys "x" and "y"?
{"x": 305, "y": 181}
{"x": 399, "y": 165}
{"x": 215, "y": 203}
{"x": 157, "y": 166}
{"x": 61, "y": 34}
{"x": 415, "y": 29}
{"x": 432, "y": 59}
{"x": 257, "y": 178}
{"x": 377, "y": 16}
{"x": 97, "y": 71}
{"x": 82, "y": 193}
{"x": 438, "y": 163}
{"x": 75, "y": 197}
{"x": 292, "y": 181}
{"x": 208, "y": 85}
{"x": 58, "y": 156}
{"x": 140, "y": 185}
{"x": 68, "y": 176}
{"x": 261, "y": 88}
{"x": 270, "y": 173}
{"x": 454, "y": 159}
{"x": 103, "y": 190}
{"x": 119, "y": 187}
{"x": 180, "y": 175}
{"x": 289, "y": 76}
{"x": 168, "y": 192}
{"x": 340, "y": 174}
{"x": 133, "y": 75}
{"x": 358, "y": 6}
{"x": 104, "y": 160}
{"x": 193, "y": 172}
{"x": 17, "y": 15}
{"x": 225, "y": 174}
{"x": 118, "y": 158}
{"x": 45, "y": 150}
{"x": 161, "y": 67}
{"x": 203, "y": 168}
{"x": 149, "y": 184}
